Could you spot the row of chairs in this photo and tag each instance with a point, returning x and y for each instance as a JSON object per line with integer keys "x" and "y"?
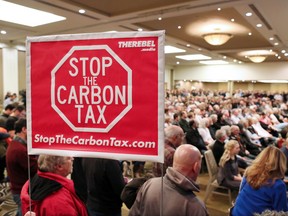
{"x": 213, "y": 187}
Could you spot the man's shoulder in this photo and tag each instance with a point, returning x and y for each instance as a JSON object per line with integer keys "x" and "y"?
{"x": 152, "y": 182}
{"x": 217, "y": 144}
{"x": 16, "y": 146}
{"x": 12, "y": 118}
{"x": 169, "y": 149}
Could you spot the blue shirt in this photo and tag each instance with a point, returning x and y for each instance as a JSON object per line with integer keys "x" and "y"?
{"x": 250, "y": 201}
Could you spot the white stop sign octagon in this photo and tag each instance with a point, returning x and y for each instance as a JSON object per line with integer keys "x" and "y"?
{"x": 91, "y": 88}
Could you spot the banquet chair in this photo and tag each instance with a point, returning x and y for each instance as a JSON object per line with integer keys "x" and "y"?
{"x": 213, "y": 187}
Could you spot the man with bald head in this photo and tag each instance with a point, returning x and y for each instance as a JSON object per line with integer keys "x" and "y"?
{"x": 178, "y": 191}
{"x": 173, "y": 137}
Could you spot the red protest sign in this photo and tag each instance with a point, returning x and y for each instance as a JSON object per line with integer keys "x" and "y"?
{"x": 96, "y": 95}
{"x": 100, "y": 90}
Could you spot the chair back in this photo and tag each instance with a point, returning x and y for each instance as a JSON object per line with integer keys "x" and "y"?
{"x": 211, "y": 164}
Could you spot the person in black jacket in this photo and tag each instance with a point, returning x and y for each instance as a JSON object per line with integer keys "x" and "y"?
{"x": 218, "y": 147}
{"x": 183, "y": 122}
{"x": 193, "y": 137}
{"x": 105, "y": 183}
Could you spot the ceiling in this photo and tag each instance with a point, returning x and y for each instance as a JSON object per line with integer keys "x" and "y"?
{"x": 183, "y": 21}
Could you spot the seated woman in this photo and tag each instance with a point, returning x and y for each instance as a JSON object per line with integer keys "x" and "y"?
{"x": 262, "y": 187}
{"x": 203, "y": 129}
{"x": 228, "y": 175}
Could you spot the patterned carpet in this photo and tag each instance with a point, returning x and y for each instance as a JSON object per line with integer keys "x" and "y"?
{"x": 7, "y": 205}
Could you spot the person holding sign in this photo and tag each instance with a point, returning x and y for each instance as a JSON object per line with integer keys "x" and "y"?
{"x": 17, "y": 162}
{"x": 105, "y": 183}
{"x": 52, "y": 193}
{"x": 179, "y": 187}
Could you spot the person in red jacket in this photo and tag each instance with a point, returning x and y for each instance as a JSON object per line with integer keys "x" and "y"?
{"x": 52, "y": 193}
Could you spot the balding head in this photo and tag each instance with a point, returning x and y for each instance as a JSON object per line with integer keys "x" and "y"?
{"x": 187, "y": 161}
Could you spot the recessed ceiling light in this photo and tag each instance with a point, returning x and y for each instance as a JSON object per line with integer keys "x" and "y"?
{"x": 279, "y": 57}
{"x": 3, "y": 32}
{"x": 248, "y": 14}
{"x": 235, "y": 60}
{"x": 179, "y": 27}
{"x": 193, "y": 57}
{"x": 177, "y": 62}
{"x": 219, "y": 9}
{"x": 224, "y": 57}
{"x": 140, "y": 29}
{"x": 232, "y": 20}
{"x": 213, "y": 62}
{"x": 172, "y": 49}
{"x": 81, "y": 11}
{"x": 271, "y": 38}
{"x": 283, "y": 51}
{"x": 188, "y": 45}
{"x": 286, "y": 54}
{"x": 159, "y": 18}
{"x": 16, "y": 13}
{"x": 250, "y": 33}
{"x": 259, "y": 25}
{"x": 276, "y": 44}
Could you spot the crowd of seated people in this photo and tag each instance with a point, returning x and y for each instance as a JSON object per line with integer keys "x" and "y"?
{"x": 255, "y": 119}
{"x": 259, "y": 115}
{"x": 242, "y": 124}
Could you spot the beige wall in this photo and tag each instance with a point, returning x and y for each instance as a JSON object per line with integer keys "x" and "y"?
{"x": 169, "y": 78}
{"x": 247, "y": 72}
{"x": 216, "y": 86}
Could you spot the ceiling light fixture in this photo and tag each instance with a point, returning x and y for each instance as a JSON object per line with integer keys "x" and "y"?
{"x": 214, "y": 62}
{"x": 82, "y": 11}
{"x": 217, "y": 39}
{"x": 257, "y": 58}
{"x": 15, "y": 13}
{"x": 192, "y": 57}
{"x": 171, "y": 49}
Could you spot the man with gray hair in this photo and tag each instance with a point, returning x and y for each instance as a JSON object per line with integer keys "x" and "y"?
{"x": 174, "y": 136}
{"x": 218, "y": 146}
{"x": 179, "y": 187}
{"x": 52, "y": 193}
